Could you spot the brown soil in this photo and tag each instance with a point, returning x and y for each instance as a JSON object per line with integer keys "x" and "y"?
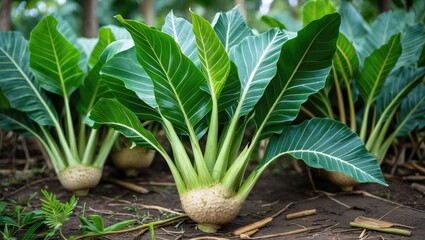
{"x": 277, "y": 188}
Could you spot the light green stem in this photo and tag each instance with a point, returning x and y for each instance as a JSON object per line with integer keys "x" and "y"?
{"x": 341, "y": 107}
{"x": 105, "y": 149}
{"x": 70, "y": 127}
{"x": 212, "y": 140}
{"x": 382, "y": 229}
{"x": 181, "y": 158}
{"x": 58, "y": 161}
{"x": 90, "y": 148}
{"x": 365, "y": 120}
{"x": 82, "y": 139}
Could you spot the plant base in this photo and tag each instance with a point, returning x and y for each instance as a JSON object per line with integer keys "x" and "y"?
{"x": 344, "y": 181}
{"x": 80, "y": 179}
{"x": 211, "y": 207}
{"x": 132, "y": 160}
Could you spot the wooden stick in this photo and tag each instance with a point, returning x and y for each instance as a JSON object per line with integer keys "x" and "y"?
{"x": 259, "y": 224}
{"x": 128, "y": 185}
{"x": 414, "y": 178}
{"x": 248, "y": 234}
{"x": 418, "y": 167}
{"x": 301, "y": 214}
{"x": 418, "y": 187}
{"x": 153, "y": 183}
{"x": 252, "y": 226}
{"x": 271, "y": 236}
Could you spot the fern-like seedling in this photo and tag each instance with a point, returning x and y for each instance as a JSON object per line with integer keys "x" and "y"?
{"x": 56, "y": 213}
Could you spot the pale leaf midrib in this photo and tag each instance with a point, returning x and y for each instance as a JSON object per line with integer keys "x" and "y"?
{"x": 41, "y": 99}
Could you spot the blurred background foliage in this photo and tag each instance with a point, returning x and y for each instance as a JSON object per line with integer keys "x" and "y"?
{"x": 86, "y": 16}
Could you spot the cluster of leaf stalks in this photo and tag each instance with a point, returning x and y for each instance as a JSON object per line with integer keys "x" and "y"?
{"x": 48, "y": 221}
{"x": 201, "y": 82}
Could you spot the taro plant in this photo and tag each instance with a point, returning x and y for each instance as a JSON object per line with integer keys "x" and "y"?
{"x": 375, "y": 82}
{"x": 47, "y": 94}
{"x": 205, "y": 83}
{"x": 375, "y": 76}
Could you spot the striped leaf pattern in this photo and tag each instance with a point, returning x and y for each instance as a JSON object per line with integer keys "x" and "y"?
{"x": 397, "y": 86}
{"x": 231, "y": 28}
{"x": 130, "y": 84}
{"x": 181, "y": 30}
{"x": 18, "y": 122}
{"x": 376, "y": 69}
{"x": 382, "y": 29}
{"x": 412, "y": 39}
{"x": 412, "y": 112}
{"x": 64, "y": 27}
{"x": 345, "y": 60}
{"x": 17, "y": 82}
{"x": 256, "y": 59}
{"x": 177, "y": 81}
{"x": 303, "y": 67}
{"x": 353, "y": 26}
{"x": 53, "y": 59}
{"x": 214, "y": 60}
{"x": 112, "y": 113}
{"x": 231, "y": 91}
{"x": 94, "y": 86}
{"x": 328, "y": 144}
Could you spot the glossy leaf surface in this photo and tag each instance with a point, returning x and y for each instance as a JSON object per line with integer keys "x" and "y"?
{"x": 327, "y": 144}
{"x": 18, "y": 83}
{"x": 53, "y": 59}
{"x": 303, "y": 67}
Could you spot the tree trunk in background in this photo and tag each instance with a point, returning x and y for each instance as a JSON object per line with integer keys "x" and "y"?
{"x": 147, "y": 10}
{"x": 384, "y": 5}
{"x": 242, "y": 8}
{"x": 90, "y": 24}
{"x": 5, "y": 20}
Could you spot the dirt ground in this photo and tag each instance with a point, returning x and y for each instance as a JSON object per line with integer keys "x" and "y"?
{"x": 278, "y": 188}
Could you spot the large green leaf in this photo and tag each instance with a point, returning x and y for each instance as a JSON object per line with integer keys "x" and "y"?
{"x": 376, "y": 68}
{"x": 177, "y": 81}
{"x": 105, "y": 38}
{"x": 345, "y": 60}
{"x": 112, "y": 113}
{"x": 181, "y": 30}
{"x": 130, "y": 84}
{"x": 256, "y": 58}
{"x": 353, "y": 26}
{"x": 303, "y": 67}
{"x": 382, "y": 29}
{"x": 316, "y": 9}
{"x": 412, "y": 42}
{"x": 328, "y": 144}
{"x": 231, "y": 28}
{"x": 65, "y": 28}
{"x": 214, "y": 60}
{"x": 397, "y": 86}
{"x": 94, "y": 86}
{"x": 53, "y": 59}
{"x": 17, "y": 82}
{"x": 18, "y": 122}
{"x": 412, "y": 112}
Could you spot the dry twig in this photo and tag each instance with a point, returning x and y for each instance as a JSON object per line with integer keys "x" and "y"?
{"x": 301, "y": 214}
